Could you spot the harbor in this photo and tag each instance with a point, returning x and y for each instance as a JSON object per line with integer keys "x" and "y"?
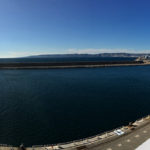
{"x": 74, "y": 75}
{"x": 102, "y": 117}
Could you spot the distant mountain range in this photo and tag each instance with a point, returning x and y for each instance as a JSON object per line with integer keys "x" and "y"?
{"x": 92, "y": 55}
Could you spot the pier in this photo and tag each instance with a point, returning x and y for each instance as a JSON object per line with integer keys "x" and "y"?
{"x": 127, "y": 137}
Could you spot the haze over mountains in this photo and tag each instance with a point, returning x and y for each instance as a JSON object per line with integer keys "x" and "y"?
{"x": 92, "y": 55}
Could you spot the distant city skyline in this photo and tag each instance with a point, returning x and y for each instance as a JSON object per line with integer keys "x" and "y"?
{"x": 35, "y": 27}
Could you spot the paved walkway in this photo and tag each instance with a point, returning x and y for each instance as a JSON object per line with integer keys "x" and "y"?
{"x": 129, "y": 141}
{"x": 126, "y": 142}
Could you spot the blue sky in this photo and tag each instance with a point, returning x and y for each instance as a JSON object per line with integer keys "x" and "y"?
{"x": 30, "y": 27}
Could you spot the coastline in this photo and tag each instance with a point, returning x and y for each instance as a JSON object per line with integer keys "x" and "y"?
{"x": 99, "y": 141}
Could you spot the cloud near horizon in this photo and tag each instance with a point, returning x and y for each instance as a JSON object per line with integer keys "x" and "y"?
{"x": 16, "y": 54}
{"x": 96, "y": 51}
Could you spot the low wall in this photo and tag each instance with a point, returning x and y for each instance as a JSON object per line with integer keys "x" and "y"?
{"x": 99, "y": 138}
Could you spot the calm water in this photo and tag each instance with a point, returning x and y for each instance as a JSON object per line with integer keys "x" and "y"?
{"x": 66, "y": 59}
{"x": 57, "y": 105}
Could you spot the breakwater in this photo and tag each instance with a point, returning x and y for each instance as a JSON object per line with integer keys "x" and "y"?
{"x": 68, "y": 64}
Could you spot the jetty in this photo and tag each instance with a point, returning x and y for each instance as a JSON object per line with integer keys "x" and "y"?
{"x": 129, "y": 137}
{"x": 81, "y": 64}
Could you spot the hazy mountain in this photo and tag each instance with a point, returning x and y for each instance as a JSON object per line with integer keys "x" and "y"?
{"x": 91, "y": 55}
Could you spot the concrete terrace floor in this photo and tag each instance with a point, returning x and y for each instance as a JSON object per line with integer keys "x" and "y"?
{"x": 128, "y": 141}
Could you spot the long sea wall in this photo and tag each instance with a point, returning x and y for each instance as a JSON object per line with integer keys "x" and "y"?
{"x": 81, "y": 64}
{"x": 89, "y": 141}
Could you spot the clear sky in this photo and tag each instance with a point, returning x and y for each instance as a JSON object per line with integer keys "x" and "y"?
{"x": 29, "y": 27}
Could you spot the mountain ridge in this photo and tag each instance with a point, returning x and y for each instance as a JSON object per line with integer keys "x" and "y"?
{"x": 91, "y": 55}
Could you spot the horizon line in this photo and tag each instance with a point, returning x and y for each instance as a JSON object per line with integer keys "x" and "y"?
{"x": 42, "y": 54}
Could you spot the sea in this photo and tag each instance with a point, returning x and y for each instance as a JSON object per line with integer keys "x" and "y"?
{"x": 48, "y": 106}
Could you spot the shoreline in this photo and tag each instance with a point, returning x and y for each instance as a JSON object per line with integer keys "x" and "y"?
{"x": 97, "y": 141}
{"x": 102, "y": 138}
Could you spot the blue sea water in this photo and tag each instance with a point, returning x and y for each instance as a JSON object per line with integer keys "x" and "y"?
{"x": 65, "y": 59}
{"x": 58, "y": 105}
